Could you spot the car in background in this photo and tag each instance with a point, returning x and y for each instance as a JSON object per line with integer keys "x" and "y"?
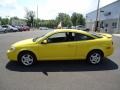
{"x": 2, "y": 29}
{"x": 22, "y": 28}
{"x": 80, "y": 27}
{"x": 86, "y": 29}
{"x": 43, "y": 28}
{"x": 18, "y": 27}
{"x": 10, "y": 28}
{"x": 25, "y": 28}
{"x": 5, "y": 28}
{"x": 73, "y": 27}
{"x": 64, "y": 27}
{"x": 65, "y": 44}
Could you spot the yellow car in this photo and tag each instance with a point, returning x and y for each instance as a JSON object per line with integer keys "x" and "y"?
{"x": 62, "y": 44}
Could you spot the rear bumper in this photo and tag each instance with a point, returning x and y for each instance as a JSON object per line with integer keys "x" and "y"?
{"x": 109, "y": 51}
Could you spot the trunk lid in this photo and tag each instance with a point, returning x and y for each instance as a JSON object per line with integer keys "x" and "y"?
{"x": 105, "y": 35}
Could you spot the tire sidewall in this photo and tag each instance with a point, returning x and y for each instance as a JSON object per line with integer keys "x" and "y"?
{"x": 90, "y": 54}
{"x": 20, "y": 58}
{"x": 5, "y": 31}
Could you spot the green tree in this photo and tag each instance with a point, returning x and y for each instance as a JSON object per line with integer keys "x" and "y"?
{"x": 65, "y": 19}
{"x": 77, "y": 19}
{"x": 48, "y": 23}
{"x": 0, "y": 20}
{"x": 74, "y": 18}
{"x": 36, "y": 22}
{"x": 30, "y": 15}
{"x": 4, "y": 21}
{"x": 13, "y": 18}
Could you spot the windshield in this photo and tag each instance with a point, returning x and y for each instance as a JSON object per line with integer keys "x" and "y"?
{"x": 4, "y": 26}
{"x": 36, "y": 38}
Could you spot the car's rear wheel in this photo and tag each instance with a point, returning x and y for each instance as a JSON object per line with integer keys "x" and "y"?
{"x": 94, "y": 57}
{"x": 11, "y": 30}
{"x": 27, "y": 58}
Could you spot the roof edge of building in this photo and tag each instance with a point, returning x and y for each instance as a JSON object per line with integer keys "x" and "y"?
{"x": 103, "y": 7}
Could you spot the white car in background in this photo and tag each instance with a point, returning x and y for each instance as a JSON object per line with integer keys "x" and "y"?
{"x": 2, "y": 29}
{"x": 10, "y": 28}
{"x": 80, "y": 27}
{"x": 43, "y": 28}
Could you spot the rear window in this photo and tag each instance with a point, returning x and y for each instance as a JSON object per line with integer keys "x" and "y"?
{"x": 96, "y": 35}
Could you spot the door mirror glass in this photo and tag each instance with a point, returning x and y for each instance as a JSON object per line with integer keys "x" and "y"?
{"x": 44, "y": 42}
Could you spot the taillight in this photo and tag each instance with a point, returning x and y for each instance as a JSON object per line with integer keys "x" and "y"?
{"x": 108, "y": 47}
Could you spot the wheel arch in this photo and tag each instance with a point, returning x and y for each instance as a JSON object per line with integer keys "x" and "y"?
{"x": 26, "y": 51}
{"x": 96, "y": 50}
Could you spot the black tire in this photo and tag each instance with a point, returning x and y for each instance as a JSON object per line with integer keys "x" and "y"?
{"x": 5, "y": 31}
{"x": 27, "y": 58}
{"x": 95, "y": 57}
{"x": 11, "y": 30}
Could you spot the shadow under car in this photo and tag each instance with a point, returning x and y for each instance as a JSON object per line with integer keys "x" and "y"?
{"x": 63, "y": 66}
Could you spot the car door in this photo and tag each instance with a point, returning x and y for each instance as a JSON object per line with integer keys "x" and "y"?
{"x": 6, "y": 27}
{"x": 84, "y": 44}
{"x": 58, "y": 47}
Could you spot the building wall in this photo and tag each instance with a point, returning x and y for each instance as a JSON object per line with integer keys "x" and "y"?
{"x": 18, "y": 22}
{"x": 108, "y": 15}
{"x": 112, "y": 26}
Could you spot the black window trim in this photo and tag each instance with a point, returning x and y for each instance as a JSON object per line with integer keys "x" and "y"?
{"x": 92, "y": 38}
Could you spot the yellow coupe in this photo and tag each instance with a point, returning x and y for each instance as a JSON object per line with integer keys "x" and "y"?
{"x": 62, "y": 44}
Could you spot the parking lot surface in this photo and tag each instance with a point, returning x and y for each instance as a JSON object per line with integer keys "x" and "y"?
{"x": 61, "y": 75}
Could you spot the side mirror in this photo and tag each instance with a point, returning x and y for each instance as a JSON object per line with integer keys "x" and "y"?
{"x": 44, "y": 42}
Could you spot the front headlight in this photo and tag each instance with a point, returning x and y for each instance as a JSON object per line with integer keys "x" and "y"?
{"x": 12, "y": 48}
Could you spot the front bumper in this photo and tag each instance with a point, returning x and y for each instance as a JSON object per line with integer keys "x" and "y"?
{"x": 12, "y": 56}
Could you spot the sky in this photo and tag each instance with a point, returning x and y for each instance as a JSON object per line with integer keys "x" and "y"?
{"x": 48, "y": 9}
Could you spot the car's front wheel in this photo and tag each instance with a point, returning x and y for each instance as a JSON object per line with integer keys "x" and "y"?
{"x": 27, "y": 58}
{"x": 94, "y": 57}
{"x": 5, "y": 31}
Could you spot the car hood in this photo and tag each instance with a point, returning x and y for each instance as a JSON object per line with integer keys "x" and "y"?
{"x": 24, "y": 42}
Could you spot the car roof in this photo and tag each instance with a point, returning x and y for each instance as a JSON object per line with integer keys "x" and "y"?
{"x": 4, "y": 25}
{"x": 70, "y": 30}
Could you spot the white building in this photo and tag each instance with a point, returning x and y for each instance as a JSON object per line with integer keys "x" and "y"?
{"x": 109, "y": 18}
{"x": 18, "y": 22}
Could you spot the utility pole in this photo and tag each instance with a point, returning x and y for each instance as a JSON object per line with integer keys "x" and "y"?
{"x": 36, "y": 13}
{"x": 97, "y": 14}
{"x": 118, "y": 22}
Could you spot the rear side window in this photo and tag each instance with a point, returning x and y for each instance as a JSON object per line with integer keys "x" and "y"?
{"x": 68, "y": 37}
{"x": 80, "y": 37}
{"x": 96, "y": 35}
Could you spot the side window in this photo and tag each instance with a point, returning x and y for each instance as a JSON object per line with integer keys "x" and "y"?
{"x": 58, "y": 37}
{"x": 80, "y": 37}
{"x": 67, "y": 37}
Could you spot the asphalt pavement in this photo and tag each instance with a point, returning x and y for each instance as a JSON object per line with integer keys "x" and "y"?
{"x": 57, "y": 75}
